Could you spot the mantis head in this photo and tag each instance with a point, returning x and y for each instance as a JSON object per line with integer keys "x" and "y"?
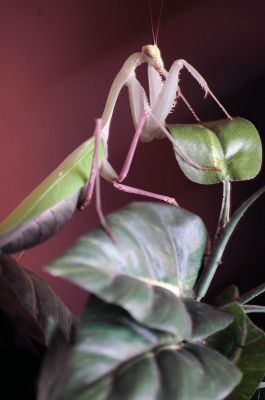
{"x": 152, "y": 56}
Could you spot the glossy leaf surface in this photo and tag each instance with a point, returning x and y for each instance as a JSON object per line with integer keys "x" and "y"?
{"x": 117, "y": 358}
{"x": 234, "y": 146}
{"x": 51, "y": 204}
{"x": 155, "y": 242}
{"x": 243, "y": 343}
{"x": 156, "y": 259}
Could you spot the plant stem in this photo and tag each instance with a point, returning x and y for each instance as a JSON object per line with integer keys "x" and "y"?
{"x": 224, "y": 217}
{"x": 254, "y": 309}
{"x": 220, "y": 245}
{"x": 251, "y": 294}
{"x": 226, "y": 206}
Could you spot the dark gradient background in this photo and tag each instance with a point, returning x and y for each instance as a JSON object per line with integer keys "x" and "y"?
{"x": 58, "y": 59}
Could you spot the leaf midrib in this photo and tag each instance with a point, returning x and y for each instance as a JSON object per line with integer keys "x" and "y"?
{"x": 129, "y": 362}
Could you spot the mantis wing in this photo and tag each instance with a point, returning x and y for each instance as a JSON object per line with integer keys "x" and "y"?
{"x": 51, "y": 204}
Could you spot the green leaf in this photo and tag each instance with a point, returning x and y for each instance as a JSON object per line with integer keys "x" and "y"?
{"x": 117, "y": 358}
{"x": 53, "y": 371}
{"x": 27, "y": 303}
{"x": 227, "y": 296}
{"x": 232, "y": 145}
{"x": 51, "y": 204}
{"x": 244, "y": 344}
{"x": 155, "y": 259}
{"x": 155, "y": 243}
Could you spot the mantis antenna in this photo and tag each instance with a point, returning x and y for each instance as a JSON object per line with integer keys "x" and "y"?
{"x": 155, "y": 40}
{"x": 155, "y": 33}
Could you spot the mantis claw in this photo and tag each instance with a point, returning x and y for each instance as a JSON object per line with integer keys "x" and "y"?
{"x": 108, "y": 231}
{"x": 173, "y": 202}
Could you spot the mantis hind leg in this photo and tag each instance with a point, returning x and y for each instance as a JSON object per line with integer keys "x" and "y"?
{"x": 94, "y": 182}
{"x": 141, "y": 192}
{"x": 100, "y": 213}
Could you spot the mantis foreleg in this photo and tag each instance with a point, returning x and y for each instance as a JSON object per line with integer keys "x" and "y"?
{"x": 173, "y": 75}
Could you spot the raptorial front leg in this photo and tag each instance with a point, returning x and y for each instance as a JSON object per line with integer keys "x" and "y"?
{"x": 174, "y": 72}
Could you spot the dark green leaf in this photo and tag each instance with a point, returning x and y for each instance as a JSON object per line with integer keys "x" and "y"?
{"x": 28, "y": 302}
{"x": 232, "y": 145}
{"x": 244, "y": 344}
{"x": 51, "y": 204}
{"x": 155, "y": 243}
{"x": 227, "y": 296}
{"x": 155, "y": 259}
{"x": 117, "y": 358}
{"x": 54, "y": 369}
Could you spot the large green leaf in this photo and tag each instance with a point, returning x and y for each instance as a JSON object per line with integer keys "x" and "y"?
{"x": 117, "y": 358}
{"x": 234, "y": 146}
{"x": 156, "y": 259}
{"x": 244, "y": 344}
{"x": 155, "y": 243}
{"x": 27, "y": 303}
{"x": 51, "y": 204}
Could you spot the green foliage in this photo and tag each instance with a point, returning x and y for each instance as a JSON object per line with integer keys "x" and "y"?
{"x": 227, "y": 296}
{"x": 117, "y": 358}
{"x": 155, "y": 244}
{"x": 155, "y": 258}
{"x": 234, "y": 146}
{"x": 29, "y": 302}
{"x": 143, "y": 334}
{"x": 26, "y": 304}
{"x": 244, "y": 344}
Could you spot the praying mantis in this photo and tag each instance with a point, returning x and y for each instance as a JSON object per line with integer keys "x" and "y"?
{"x": 72, "y": 184}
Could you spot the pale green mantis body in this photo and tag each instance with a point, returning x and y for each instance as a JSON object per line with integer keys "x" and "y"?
{"x": 72, "y": 184}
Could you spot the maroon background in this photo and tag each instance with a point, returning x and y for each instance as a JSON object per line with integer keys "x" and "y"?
{"x": 58, "y": 59}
